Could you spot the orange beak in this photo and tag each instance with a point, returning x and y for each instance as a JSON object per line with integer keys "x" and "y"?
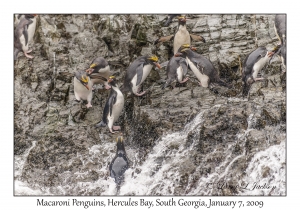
{"x": 178, "y": 54}
{"x": 270, "y": 54}
{"x": 87, "y": 87}
{"x": 194, "y": 48}
{"x": 89, "y": 71}
{"x": 157, "y": 65}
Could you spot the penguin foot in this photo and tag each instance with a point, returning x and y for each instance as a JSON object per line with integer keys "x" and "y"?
{"x": 199, "y": 83}
{"x": 89, "y": 71}
{"x": 113, "y": 130}
{"x": 89, "y": 105}
{"x": 183, "y": 81}
{"x": 107, "y": 87}
{"x": 140, "y": 94}
{"x": 28, "y": 56}
{"x": 29, "y": 51}
{"x": 100, "y": 124}
{"x": 116, "y": 128}
{"x": 258, "y": 79}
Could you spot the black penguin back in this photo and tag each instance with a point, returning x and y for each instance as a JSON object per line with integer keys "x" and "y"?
{"x": 119, "y": 164}
{"x": 280, "y": 24}
{"x": 131, "y": 72}
{"x": 251, "y": 59}
{"x": 171, "y": 70}
{"x": 109, "y": 105}
{"x": 204, "y": 65}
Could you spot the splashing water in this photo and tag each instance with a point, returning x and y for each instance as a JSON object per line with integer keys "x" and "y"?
{"x": 169, "y": 168}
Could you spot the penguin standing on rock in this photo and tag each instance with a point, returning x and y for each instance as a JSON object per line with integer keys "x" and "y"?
{"x": 280, "y": 30}
{"x": 98, "y": 70}
{"x": 176, "y": 71}
{"x": 23, "y": 35}
{"x": 137, "y": 72}
{"x": 182, "y": 36}
{"x": 83, "y": 87}
{"x": 120, "y": 162}
{"x": 253, "y": 63}
{"x": 201, "y": 67}
{"x": 113, "y": 107}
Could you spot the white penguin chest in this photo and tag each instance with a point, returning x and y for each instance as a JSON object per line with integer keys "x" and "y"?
{"x": 30, "y": 32}
{"x": 81, "y": 91}
{"x": 146, "y": 71}
{"x": 259, "y": 65}
{"x": 204, "y": 79}
{"x": 179, "y": 72}
{"x": 181, "y": 37}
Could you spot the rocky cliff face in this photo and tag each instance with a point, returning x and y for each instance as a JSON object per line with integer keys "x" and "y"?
{"x": 64, "y": 154}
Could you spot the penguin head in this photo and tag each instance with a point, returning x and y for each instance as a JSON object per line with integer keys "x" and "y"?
{"x": 120, "y": 144}
{"x": 182, "y": 51}
{"x": 112, "y": 81}
{"x": 181, "y": 20}
{"x": 97, "y": 64}
{"x": 83, "y": 78}
{"x": 153, "y": 60}
{"x": 274, "y": 51}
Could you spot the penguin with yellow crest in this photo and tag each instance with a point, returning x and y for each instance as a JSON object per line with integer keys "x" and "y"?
{"x": 182, "y": 36}
{"x": 120, "y": 162}
{"x": 83, "y": 87}
{"x": 137, "y": 72}
{"x": 99, "y": 71}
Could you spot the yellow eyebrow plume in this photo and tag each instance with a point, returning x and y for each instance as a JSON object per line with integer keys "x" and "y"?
{"x": 93, "y": 65}
{"x": 153, "y": 58}
{"x": 84, "y": 78}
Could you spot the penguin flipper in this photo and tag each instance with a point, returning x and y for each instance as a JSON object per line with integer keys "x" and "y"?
{"x": 25, "y": 31}
{"x": 97, "y": 76}
{"x": 112, "y": 101}
{"x": 139, "y": 73}
{"x": 164, "y": 64}
{"x": 164, "y": 39}
{"x": 184, "y": 66}
{"x": 197, "y": 38}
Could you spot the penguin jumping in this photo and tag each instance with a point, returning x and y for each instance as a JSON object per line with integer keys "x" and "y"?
{"x": 98, "y": 70}
{"x": 182, "y": 36}
{"x": 280, "y": 30}
{"x": 23, "y": 35}
{"x": 83, "y": 87}
{"x": 113, "y": 107}
{"x": 120, "y": 162}
{"x": 201, "y": 67}
{"x": 137, "y": 72}
{"x": 253, "y": 63}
